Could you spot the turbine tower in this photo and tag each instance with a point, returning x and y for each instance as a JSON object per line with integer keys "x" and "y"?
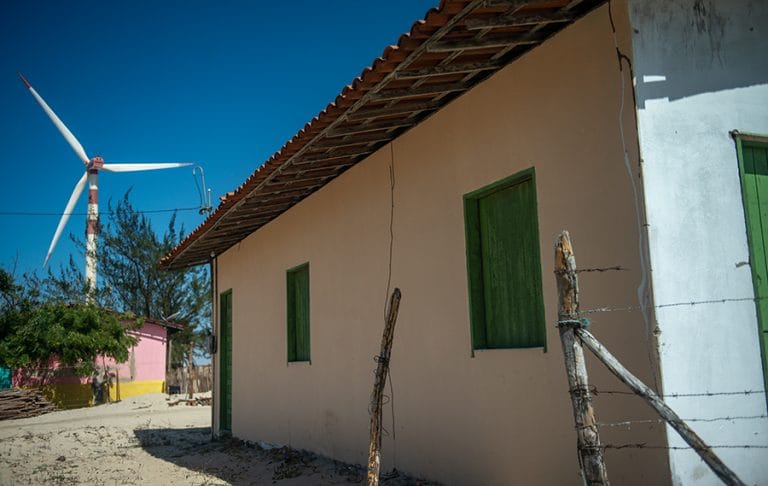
{"x": 91, "y": 176}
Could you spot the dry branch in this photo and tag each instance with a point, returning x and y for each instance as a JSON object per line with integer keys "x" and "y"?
{"x": 191, "y": 401}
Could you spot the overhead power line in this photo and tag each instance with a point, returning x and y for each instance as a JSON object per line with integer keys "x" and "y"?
{"x": 102, "y": 213}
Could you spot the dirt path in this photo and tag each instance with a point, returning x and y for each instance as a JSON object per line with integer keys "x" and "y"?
{"x": 144, "y": 441}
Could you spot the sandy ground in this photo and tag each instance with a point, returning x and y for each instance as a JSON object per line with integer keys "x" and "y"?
{"x": 143, "y": 440}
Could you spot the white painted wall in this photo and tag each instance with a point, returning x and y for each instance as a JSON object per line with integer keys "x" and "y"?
{"x": 702, "y": 70}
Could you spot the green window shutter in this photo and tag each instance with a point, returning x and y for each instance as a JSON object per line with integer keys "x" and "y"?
{"x": 503, "y": 262}
{"x": 225, "y": 360}
{"x": 298, "y": 313}
{"x": 754, "y": 180}
{"x": 475, "y": 273}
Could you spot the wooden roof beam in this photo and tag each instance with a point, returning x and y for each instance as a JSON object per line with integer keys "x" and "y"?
{"x": 300, "y": 181}
{"x": 508, "y": 4}
{"x": 292, "y": 184}
{"x": 283, "y": 192}
{"x": 573, "y": 4}
{"x": 330, "y": 143}
{"x": 403, "y": 109}
{"x": 260, "y": 205}
{"x": 318, "y": 170}
{"x": 233, "y": 228}
{"x": 315, "y": 158}
{"x": 515, "y": 20}
{"x": 434, "y": 89}
{"x": 472, "y": 67}
{"x": 370, "y": 127}
{"x": 328, "y": 153}
{"x": 311, "y": 173}
{"x": 485, "y": 43}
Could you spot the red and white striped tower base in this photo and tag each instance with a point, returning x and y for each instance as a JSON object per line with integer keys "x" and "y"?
{"x": 92, "y": 225}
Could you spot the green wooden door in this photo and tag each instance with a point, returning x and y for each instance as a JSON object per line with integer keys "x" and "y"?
{"x": 754, "y": 162}
{"x": 225, "y": 362}
{"x": 503, "y": 264}
{"x": 298, "y": 313}
{"x": 509, "y": 251}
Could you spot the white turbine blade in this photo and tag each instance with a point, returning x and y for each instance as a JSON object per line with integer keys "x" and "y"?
{"x": 67, "y": 212}
{"x": 146, "y": 166}
{"x": 79, "y": 150}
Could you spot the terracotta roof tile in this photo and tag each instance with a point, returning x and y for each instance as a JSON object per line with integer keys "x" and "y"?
{"x": 457, "y": 45}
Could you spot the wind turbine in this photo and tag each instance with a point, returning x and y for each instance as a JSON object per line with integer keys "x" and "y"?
{"x": 91, "y": 176}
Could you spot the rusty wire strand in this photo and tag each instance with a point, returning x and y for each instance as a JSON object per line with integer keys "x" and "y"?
{"x": 674, "y": 304}
{"x": 643, "y": 445}
{"x": 594, "y": 391}
{"x": 616, "y": 268}
{"x": 628, "y": 423}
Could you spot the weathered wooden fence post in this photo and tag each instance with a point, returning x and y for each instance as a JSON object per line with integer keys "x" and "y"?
{"x": 590, "y": 452}
{"x": 190, "y": 366}
{"x": 382, "y": 368}
{"x": 715, "y": 464}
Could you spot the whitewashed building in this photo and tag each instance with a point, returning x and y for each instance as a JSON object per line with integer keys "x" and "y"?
{"x": 701, "y": 76}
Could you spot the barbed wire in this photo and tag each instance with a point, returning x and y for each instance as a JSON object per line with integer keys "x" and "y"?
{"x": 673, "y": 304}
{"x": 643, "y": 445}
{"x": 628, "y": 423}
{"x": 658, "y": 306}
{"x": 615, "y": 268}
{"x": 597, "y": 392}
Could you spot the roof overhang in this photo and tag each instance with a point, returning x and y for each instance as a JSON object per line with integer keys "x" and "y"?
{"x": 456, "y": 46}
{"x": 170, "y": 325}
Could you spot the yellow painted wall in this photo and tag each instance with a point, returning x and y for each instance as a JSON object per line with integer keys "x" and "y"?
{"x": 75, "y": 395}
{"x": 502, "y": 416}
{"x": 69, "y": 395}
{"x": 133, "y": 388}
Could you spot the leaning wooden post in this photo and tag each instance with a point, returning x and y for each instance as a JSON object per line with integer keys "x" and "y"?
{"x": 588, "y": 441}
{"x": 382, "y": 368}
{"x": 715, "y": 464}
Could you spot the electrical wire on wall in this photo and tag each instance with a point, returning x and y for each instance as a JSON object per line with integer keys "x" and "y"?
{"x": 391, "y": 222}
{"x": 389, "y": 285}
{"x": 643, "y": 291}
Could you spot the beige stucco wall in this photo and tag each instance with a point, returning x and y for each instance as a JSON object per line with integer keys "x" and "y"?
{"x": 502, "y": 416}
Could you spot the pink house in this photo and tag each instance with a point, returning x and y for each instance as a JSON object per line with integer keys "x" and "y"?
{"x": 143, "y": 372}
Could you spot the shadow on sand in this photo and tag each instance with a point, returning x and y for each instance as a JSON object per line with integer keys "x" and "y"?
{"x": 237, "y": 462}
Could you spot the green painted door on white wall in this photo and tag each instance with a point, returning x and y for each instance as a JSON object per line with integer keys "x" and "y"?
{"x": 754, "y": 179}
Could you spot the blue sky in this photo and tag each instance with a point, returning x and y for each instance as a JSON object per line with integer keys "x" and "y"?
{"x": 223, "y": 84}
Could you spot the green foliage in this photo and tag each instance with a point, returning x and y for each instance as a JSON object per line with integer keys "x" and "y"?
{"x": 33, "y": 332}
{"x": 129, "y": 251}
{"x": 68, "y": 286}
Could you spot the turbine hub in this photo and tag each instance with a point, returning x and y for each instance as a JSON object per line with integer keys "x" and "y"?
{"x": 96, "y": 163}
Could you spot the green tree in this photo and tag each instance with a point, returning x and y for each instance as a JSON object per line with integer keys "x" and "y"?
{"x": 130, "y": 280}
{"x": 32, "y": 332}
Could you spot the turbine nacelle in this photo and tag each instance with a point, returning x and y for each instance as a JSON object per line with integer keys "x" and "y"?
{"x": 95, "y": 163}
